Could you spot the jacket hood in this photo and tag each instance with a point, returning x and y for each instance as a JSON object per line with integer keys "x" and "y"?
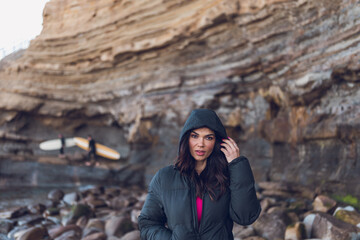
{"x": 204, "y": 118}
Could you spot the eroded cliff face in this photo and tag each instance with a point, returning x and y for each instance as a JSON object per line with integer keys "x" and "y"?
{"x": 284, "y": 77}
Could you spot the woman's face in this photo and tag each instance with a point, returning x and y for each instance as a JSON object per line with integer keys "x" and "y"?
{"x": 201, "y": 143}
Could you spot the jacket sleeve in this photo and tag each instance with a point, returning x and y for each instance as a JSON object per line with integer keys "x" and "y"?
{"x": 244, "y": 205}
{"x": 152, "y": 218}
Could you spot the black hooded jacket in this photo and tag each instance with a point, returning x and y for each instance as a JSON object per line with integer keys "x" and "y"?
{"x": 169, "y": 212}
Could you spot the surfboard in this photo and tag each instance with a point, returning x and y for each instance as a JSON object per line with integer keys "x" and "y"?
{"x": 55, "y": 144}
{"x": 101, "y": 150}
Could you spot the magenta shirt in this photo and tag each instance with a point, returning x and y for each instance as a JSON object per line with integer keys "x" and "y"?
{"x": 199, "y": 202}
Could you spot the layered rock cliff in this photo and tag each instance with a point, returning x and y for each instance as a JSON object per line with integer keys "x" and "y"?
{"x": 283, "y": 75}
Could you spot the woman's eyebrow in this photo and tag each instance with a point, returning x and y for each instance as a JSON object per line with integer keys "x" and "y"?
{"x": 211, "y": 134}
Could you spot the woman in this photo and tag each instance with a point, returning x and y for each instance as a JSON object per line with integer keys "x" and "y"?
{"x": 209, "y": 187}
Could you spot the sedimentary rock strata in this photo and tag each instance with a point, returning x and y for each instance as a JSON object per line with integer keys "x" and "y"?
{"x": 283, "y": 76}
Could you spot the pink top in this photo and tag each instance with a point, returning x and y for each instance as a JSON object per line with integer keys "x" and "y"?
{"x": 199, "y": 204}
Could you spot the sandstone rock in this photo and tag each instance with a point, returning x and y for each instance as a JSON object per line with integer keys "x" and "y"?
{"x": 272, "y": 225}
{"x": 77, "y": 211}
{"x": 96, "y": 223}
{"x": 261, "y": 64}
{"x": 96, "y": 236}
{"x": 60, "y": 230}
{"x": 351, "y": 217}
{"x": 254, "y": 238}
{"x": 324, "y": 204}
{"x": 243, "y": 232}
{"x": 295, "y": 232}
{"x": 326, "y": 226}
{"x": 266, "y": 203}
{"x": 69, "y": 235}
{"x": 118, "y": 226}
{"x": 82, "y": 221}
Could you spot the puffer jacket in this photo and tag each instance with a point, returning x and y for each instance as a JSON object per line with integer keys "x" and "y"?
{"x": 169, "y": 212}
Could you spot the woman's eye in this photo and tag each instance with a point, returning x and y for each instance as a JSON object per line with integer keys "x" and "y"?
{"x": 193, "y": 136}
{"x": 210, "y": 138}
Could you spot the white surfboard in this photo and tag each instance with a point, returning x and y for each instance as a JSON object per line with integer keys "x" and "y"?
{"x": 101, "y": 150}
{"x": 55, "y": 144}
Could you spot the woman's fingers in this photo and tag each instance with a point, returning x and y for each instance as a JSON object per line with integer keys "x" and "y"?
{"x": 230, "y": 149}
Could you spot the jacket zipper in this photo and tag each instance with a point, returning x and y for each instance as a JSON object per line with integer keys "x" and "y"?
{"x": 193, "y": 204}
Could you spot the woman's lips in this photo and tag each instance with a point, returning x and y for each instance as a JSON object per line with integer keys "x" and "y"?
{"x": 200, "y": 153}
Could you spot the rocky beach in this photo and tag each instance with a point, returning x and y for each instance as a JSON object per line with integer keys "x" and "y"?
{"x": 289, "y": 212}
{"x": 283, "y": 76}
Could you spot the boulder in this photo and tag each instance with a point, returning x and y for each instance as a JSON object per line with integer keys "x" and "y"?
{"x": 295, "y": 232}
{"x": 352, "y": 217}
{"x": 118, "y": 226}
{"x": 324, "y": 204}
{"x": 326, "y": 226}
{"x": 272, "y": 225}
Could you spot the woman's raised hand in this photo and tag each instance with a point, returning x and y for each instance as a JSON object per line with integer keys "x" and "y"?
{"x": 230, "y": 149}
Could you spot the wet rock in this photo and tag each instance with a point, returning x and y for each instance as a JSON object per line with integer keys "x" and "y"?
{"x": 118, "y": 226}
{"x": 327, "y": 226}
{"x": 324, "y": 204}
{"x": 33, "y": 233}
{"x": 295, "y": 232}
{"x": 6, "y": 226}
{"x": 133, "y": 235}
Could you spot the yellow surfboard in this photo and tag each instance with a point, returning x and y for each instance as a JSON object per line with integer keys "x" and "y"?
{"x": 101, "y": 150}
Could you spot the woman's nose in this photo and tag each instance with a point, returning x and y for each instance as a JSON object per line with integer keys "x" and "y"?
{"x": 201, "y": 142}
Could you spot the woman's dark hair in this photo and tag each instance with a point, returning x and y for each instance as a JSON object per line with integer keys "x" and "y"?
{"x": 214, "y": 178}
